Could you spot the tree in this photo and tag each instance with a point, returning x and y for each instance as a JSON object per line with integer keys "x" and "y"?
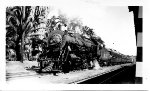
{"x": 21, "y": 20}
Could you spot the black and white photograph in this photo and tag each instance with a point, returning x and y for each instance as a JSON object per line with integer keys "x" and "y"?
{"x": 69, "y": 45}
{"x": 73, "y": 43}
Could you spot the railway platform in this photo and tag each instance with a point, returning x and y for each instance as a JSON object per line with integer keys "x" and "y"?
{"x": 123, "y": 73}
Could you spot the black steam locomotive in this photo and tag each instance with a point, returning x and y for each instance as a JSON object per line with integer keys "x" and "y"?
{"x": 65, "y": 52}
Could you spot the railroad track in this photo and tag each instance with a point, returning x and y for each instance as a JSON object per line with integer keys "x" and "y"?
{"x": 105, "y": 77}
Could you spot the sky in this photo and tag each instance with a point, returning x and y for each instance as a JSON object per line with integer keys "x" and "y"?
{"x": 114, "y": 24}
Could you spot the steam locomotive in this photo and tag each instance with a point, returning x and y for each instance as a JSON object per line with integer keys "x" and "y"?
{"x": 66, "y": 52}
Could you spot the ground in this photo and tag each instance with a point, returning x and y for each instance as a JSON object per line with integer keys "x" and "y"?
{"x": 16, "y": 73}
